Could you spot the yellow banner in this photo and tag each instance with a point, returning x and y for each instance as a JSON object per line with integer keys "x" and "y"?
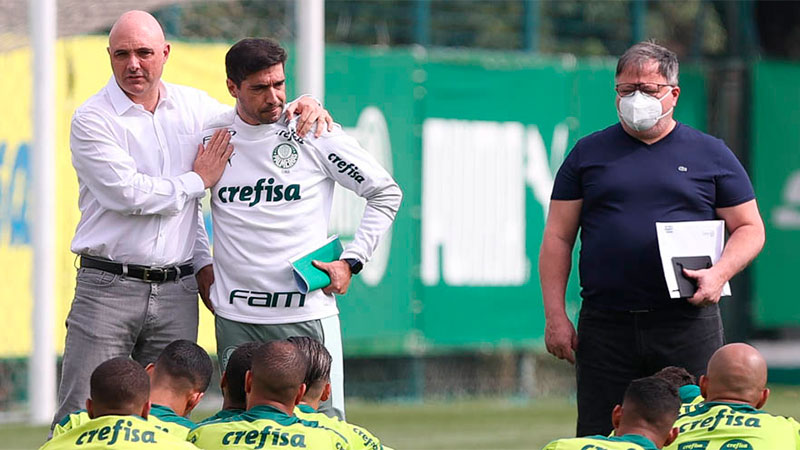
{"x": 82, "y": 69}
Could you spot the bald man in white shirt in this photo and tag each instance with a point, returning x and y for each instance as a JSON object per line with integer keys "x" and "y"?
{"x": 142, "y": 243}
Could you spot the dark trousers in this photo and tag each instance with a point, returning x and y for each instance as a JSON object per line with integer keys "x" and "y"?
{"x": 616, "y": 347}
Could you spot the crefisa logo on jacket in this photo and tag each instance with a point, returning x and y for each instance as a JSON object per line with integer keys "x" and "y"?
{"x": 284, "y": 155}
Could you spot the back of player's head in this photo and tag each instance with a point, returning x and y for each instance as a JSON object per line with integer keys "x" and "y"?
{"x": 278, "y": 369}
{"x": 319, "y": 363}
{"x": 252, "y": 55}
{"x": 736, "y": 372}
{"x": 676, "y": 376}
{"x": 183, "y": 366}
{"x": 238, "y": 365}
{"x": 119, "y": 386}
{"x": 652, "y": 401}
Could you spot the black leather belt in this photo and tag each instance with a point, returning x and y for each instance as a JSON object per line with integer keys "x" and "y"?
{"x": 144, "y": 273}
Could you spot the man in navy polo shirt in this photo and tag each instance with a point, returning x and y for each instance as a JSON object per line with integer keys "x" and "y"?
{"x": 615, "y": 185}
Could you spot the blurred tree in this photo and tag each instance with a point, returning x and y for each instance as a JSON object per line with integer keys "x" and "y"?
{"x": 692, "y": 27}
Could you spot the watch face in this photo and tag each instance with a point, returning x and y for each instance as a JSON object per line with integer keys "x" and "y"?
{"x": 285, "y": 156}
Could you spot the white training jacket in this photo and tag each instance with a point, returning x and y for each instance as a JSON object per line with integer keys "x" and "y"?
{"x": 273, "y": 202}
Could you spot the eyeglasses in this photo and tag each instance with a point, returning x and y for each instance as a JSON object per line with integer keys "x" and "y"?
{"x": 624, "y": 89}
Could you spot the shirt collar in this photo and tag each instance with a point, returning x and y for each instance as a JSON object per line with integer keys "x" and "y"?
{"x": 271, "y": 413}
{"x": 306, "y": 409}
{"x": 638, "y": 440}
{"x": 121, "y": 102}
{"x": 689, "y": 392}
{"x": 162, "y": 409}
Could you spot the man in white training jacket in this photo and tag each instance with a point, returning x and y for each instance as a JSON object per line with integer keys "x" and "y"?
{"x": 273, "y": 202}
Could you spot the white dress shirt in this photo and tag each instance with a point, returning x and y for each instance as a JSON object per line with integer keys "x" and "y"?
{"x": 139, "y": 198}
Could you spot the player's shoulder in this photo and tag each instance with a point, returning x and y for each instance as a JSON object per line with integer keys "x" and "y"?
{"x": 328, "y": 139}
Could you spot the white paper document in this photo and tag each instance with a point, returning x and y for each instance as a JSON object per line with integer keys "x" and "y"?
{"x": 695, "y": 238}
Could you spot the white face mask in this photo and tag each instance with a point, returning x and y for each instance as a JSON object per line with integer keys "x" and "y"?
{"x": 641, "y": 111}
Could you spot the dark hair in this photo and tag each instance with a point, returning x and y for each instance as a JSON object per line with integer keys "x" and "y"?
{"x": 119, "y": 385}
{"x": 654, "y": 400}
{"x": 643, "y": 52}
{"x": 185, "y": 365}
{"x": 252, "y": 55}
{"x": 319, "y": 360}
{"x": 676, "y": 376}
{"x": 238, "y": 365}
{"x": 278, "y": 369}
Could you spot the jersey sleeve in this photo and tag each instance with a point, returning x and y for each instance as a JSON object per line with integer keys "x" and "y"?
{"x": 567, "y": 184}
{"x": 733, "y": 186}
{"x": 346, "y": 162}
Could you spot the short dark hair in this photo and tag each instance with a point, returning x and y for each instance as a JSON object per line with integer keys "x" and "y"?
{"x": 252, "y": 55}
{"x": 653, "y": 400}
{"x": 643, "y": 52}
{"x": 676, "y": 376}
{"x": 319, "y": 361}
{"x": 184, "y": 365}
{"x": 278, "y": 369}
{"x": 238, "y": 365}
{"x": 119, "y": 386}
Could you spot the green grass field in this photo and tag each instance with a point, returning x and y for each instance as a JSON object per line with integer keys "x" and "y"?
{"x": 473, "y": 424}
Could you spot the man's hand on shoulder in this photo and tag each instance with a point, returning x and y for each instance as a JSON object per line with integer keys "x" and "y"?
{"x": 709, "y": 286}
{"x": 212, "y": 157}
{"x": 310, "y": 113}
{"x": 560, "y": 338}
{"x": 205, "y": 278}
{"x": 340, "y": 274}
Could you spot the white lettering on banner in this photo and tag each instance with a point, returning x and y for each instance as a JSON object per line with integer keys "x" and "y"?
{"x": 474, "y": 175}
{"x": 372, "y": 133}
{"x": 787, "y": 215}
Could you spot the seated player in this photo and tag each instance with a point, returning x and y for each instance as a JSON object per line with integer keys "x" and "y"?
{"x": 178, "y": 379}
{"x": 318, "y": 389}
{"x": 231, "y": 384}
{"x": 734, "y": 387}
{"x": 643, "y": 421}
{"x": 686, "y": 383}
{"x": 117, "y": 412}
{"x": 274, "y": 386}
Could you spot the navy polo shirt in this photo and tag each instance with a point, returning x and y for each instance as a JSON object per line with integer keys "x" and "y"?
{"x": 626, "y": 187}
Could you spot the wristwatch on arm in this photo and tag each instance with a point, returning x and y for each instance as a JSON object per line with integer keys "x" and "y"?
{"x": 355, "y": 265}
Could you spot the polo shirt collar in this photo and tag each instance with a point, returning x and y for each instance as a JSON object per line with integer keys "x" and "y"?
{"x": 121, "y": 102}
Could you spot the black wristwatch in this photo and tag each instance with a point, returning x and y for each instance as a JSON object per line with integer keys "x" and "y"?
{"x": 355, "y": 265}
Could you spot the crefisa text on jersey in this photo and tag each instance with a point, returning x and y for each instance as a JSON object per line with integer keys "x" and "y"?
{"x": 252, "y": 194}
{"x": 129, "y": 433}
{"x": 343, "y": 166}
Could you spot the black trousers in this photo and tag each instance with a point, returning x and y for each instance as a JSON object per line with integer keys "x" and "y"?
{"x": 617, "y": 347}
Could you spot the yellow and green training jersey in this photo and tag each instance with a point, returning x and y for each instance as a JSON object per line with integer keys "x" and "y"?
{"x": 165, "y": 418}
{"x": 265, "y": 427}
{"x": 71, "y": 421}
{"x": 690, "y": 397}
{"x": 734, "y": 426}
{"x": 162, "y": 417}
{"x": 116, "y": 433}
{"x": 358, "y": 437}
{"x": 626, "y": 442}
{"x": 221, "y": 414}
